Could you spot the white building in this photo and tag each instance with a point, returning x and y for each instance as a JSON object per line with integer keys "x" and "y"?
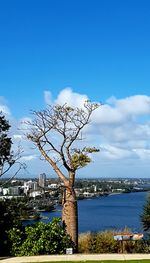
{"x": 5, "y": 191}
{"x": 53, "y": 186}
{"x": 35, "y": 194}
{"x": 29, "y": 185}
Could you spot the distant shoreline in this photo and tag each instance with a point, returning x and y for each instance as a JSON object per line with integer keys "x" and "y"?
{"x": 117, "y": 193}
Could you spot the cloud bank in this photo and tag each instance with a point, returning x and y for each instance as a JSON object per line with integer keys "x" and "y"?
{"x": 120, "y": 128}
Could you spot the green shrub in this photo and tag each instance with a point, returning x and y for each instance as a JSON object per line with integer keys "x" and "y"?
{"x": 85, "y": 240}
{"x": 103, "y": 242}
{"x": 40, "y": 239}
{"x": 141, "y": 246}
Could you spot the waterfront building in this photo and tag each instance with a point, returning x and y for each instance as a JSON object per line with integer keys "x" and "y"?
{"x": 87, "y": 194}
{"x": 53, "y": 186}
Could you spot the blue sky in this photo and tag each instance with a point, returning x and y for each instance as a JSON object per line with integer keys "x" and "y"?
{"x": 98, "y": 48}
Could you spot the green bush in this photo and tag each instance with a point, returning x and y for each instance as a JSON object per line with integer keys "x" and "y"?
{"x": 7, "y": 221}
{"x": 141, "y": 246}
{"x": 104, "y": 243}
{"x": 40, "y": 239}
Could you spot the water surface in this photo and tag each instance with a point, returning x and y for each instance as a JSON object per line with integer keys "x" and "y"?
{"x": 110, "y": 212}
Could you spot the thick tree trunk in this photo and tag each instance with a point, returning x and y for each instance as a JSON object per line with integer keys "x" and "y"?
{"x": 70, "y": 214}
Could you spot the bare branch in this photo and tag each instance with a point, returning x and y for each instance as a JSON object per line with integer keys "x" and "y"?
{"x": 21, "y": 166}
{"x": 57, "y": 128}
{"x": 12, "y": 160}
{"x": 53, "y": 164}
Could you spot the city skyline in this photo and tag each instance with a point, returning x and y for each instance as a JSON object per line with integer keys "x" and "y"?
{"x": 68, "y": 52}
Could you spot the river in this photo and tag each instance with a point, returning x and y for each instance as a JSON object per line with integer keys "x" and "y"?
{"x": 110, "y": 212}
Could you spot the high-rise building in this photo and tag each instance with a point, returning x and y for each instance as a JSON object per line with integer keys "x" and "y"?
{"x": 42, "y": 180}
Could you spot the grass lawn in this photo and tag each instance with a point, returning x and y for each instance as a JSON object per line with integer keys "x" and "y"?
{"x": 101, "y": 261}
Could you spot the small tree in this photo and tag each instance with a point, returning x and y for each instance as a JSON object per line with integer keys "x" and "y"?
{"x": 7, "y": 157}
{"x": 54, "y": 131}
{"x": 145, "y": 217}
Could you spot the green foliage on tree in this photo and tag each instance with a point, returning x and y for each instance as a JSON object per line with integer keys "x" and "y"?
{"x": 7, "y": 157}
{"x": 20, "y": 208}
{"x": 145, "y": 217}
{"x": 5, "y": 145}
{"x": 40, "y": 239}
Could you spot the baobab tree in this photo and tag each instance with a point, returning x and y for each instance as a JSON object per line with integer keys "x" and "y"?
{"x": 55, "y": 132}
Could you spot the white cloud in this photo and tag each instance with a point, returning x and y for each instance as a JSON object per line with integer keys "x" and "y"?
{"x": 143, "y": 154}
{"x": 112, "y": 152}
{"x": 125, "y": 133}
{"x": 23, "y": 124}
{"x": 17, "y": 136}
{"x": 106, "y": 114}
{"x": 116, "y": 124}
{"x": 3, "y": 106}
{"x": 122, "y": 110}
{"x": 71, "y": 98}
{"x": 135, "y": 105}
{"x": 28, "y": 157}
{"x": 48, "y": 97}
{"x": 5, "y": 110}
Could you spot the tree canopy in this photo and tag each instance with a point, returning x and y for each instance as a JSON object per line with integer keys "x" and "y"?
{"x": 145, "y": 217}
{"x": 6, "y": 157}
{"x": 67, "y": 124}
